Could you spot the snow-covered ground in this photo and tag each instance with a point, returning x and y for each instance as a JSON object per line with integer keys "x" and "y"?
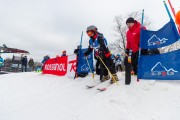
{"x": 32, "y": 96}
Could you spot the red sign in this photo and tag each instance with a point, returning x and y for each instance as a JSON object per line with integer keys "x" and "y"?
{"x": 56, "y": 66}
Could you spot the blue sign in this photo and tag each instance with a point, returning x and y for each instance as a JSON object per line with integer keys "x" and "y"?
{"x": 161, "y": 66}
{"x": 83, "y": 66}
{"x": 155, "y": 39}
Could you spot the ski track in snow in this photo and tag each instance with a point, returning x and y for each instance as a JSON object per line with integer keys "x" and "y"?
{"x": 33, "y": 96}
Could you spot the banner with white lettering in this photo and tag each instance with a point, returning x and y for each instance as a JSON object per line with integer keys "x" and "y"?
{"x": 160, "y": 67}
{"x": 56, "y": 66}
{"x": 61, "y": 66}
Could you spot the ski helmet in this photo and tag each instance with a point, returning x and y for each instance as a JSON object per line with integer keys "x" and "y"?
{"x": 92, "y": 27}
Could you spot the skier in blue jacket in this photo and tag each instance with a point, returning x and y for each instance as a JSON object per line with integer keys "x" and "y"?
{"x": 97, "y": 43}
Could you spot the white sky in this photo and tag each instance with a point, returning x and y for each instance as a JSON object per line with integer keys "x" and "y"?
{"x": 46, "y": 27}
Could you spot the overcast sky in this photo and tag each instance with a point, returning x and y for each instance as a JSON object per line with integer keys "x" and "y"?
{"x": 46, "y": 27}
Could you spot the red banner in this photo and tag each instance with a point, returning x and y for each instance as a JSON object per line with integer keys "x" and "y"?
{"x": 61, "y": 66}
{"x": 56, "y": 66}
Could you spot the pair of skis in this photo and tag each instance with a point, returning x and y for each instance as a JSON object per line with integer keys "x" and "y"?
{"x": 92, "y": 86}
{"x": 99, "y": 88}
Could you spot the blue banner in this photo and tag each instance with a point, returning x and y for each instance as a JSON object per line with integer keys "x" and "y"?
{"x": 161, "y": 67}
{"x": 83, "y": 66}
{"x": 155, "y": 39}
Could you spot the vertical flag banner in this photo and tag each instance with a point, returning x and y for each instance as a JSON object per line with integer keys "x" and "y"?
{"x": 174, "y": 13}
{"x": 82, "y": 63}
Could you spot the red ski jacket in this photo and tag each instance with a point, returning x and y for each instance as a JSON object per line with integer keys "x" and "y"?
{"x": 133, "y": 37}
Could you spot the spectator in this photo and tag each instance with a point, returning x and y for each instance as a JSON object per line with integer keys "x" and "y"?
{"x": 44, "y": 60}
{"x": 31, "y": 64}
{"x": 38, "y": 68}
{"x": 133, "y": 41}
{"x": 118, "y": 63}
{"x": 1, "y": 62}
{"x": 24, "y": 64}
{"x": 63, "y": 53}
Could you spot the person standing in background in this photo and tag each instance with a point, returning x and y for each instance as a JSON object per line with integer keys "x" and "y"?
{"x": 63, "y": 53}
{"x": 31, "y": 64}
{"x": 24, "y": 62}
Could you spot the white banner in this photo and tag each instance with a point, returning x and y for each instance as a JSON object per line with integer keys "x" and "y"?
{"x": 72, "y": 65}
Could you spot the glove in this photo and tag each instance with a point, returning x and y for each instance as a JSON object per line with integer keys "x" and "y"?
{"x": 85, "y": 54}
{"x": 127, "y": 52}
{"x": 129, "y": 59}
{"x": 107, "y": 55}
{"x": 96, "y": 54}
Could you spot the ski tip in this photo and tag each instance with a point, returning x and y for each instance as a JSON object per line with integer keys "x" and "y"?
{"x": 101, "y": 89}
{"x": 88, "y": 86}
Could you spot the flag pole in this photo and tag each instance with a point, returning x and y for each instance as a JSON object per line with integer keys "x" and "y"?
{"x": 174, "y": 13}
{"x": 142, "y": 20}
{"x": 142, "y": 24}
{"x": 80, "y": 43}
{"x": 169, "y": 14}
{"x": 76, "y": 75}
{"x": 171, "y": 18}
{"x": 81, "y": 40}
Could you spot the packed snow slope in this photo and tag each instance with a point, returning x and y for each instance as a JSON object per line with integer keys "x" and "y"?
{"x": 32, "y": 96}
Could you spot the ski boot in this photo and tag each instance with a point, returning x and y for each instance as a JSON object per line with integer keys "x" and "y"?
{"x": 105, "y": 78}
{"x": 114, "y": 78}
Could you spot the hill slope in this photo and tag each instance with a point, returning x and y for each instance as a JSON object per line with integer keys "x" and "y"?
{"x": 31, "y": 96}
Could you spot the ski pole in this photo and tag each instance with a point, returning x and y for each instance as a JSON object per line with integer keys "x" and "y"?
{"x": 90, "y": 68}
{"x": 108, "y": 71}
{"x": 79, "y": 52}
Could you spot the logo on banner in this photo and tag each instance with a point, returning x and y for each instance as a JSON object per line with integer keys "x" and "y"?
{"x": 160, "y": 70}
{"x": 73, "y": 65}
{"x": 55, "y": 67}
{"x": 84, "y": 68}
{"x": 154, "y": 40}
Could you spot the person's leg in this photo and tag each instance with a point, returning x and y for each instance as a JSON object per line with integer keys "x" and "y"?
{"x": 127, "y": 71}
{"x": 134, "y": 58}
{"x": 120, "y": 67}
{"x": 30, "y": 68}
{"x": 101, "y": 70}
{"x": 111, "y": 66}
{"x": 116, "y": 68}
{"x": 104, "y": 73}
{"x": 25, "y": 68}
{"x": 97, "y": 67}
{"x": 22, "y": 68}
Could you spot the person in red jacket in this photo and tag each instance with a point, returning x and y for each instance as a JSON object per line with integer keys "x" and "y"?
{"x": 133, "y": 41}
